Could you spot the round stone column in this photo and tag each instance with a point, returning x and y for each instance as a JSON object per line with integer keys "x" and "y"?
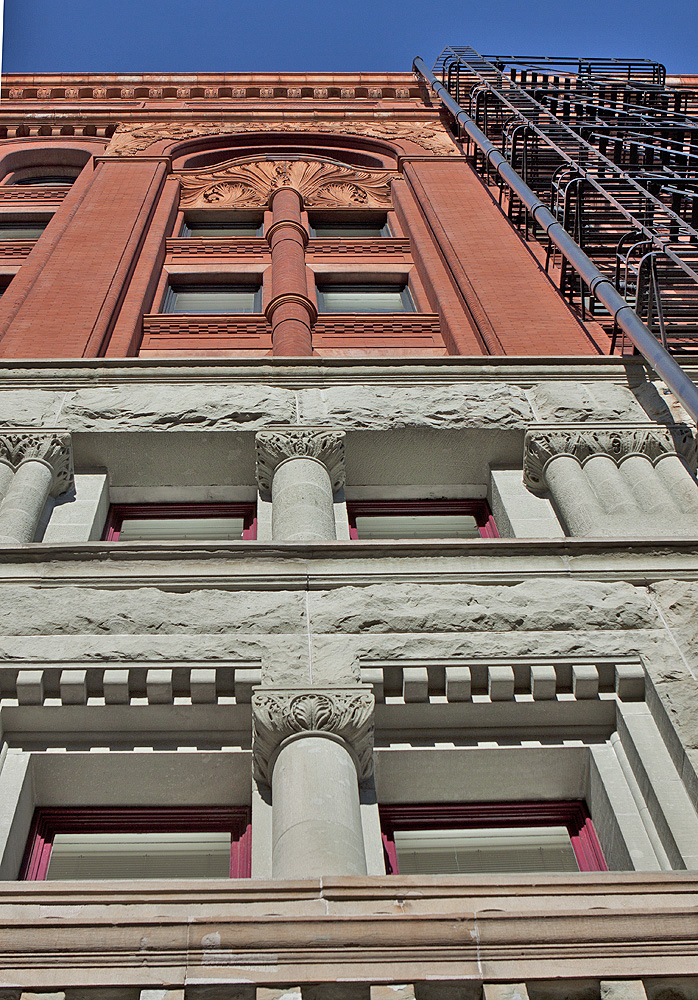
{"x": 300, "y": 469}
{"x": 6, "y": 475}
{"x": 290, "y": 312}
{"x": 316, "y": 817}
{"x": 302, "y": 502}
{"x": 26, "y": 497}
{"x": 573, "y": 496}
{"x": 43, "y": 467}
{"x": 680, "y": 483}
{"x": 313, "y": 746}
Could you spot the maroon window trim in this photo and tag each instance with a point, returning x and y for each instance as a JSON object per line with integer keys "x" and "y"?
{"x": 477, "y": 508}
{"x": 118, "y": 512}
{"x": 48, "y": 822}
{"x": 574, "y": 815}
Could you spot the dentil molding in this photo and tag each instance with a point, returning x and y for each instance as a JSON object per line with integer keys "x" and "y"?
{"x": 274, "y": 446}
{"x": 53, "y": 447}
{"x": 280, "y": 713}
{"x": 544, "y": 442}
{"x": 249, "y": 182}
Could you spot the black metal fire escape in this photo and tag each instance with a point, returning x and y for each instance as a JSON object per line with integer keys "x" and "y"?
{"x": 597, "y": 159}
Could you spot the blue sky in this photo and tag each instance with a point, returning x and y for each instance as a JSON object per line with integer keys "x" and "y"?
{"x": 322, "y": 35}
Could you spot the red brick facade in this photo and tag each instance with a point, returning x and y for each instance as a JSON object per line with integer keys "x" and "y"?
{"x": 95, "y": 281}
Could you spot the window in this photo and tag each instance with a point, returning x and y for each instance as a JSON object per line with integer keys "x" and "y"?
{"x": 489, "y": 838}
{"x": 138, "y": 843}
{"x": 356, "y": 298}
{"x": 213, "y": 299}
{"x": 420, "y": 519}
{"x": 342, "y": 227}
{"x": 180, "y": 522}
{"x": 222, "y": 229}
{"x": 46, "y": 180}
{"x": 30, "y": 229}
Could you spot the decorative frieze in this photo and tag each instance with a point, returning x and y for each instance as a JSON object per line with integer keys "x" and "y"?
{"x": 544, "y": 442}
{"x": 52, "y": 447}
{"x": 275, "y": 446}
{"x": 345, "y": 714}
{"x": 249, "y": 183}
{"x": 132, "y": 139}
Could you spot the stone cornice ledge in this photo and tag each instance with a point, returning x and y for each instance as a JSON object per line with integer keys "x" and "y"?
{"x": 244, "y": 566}
{"x": 440, "y": 928}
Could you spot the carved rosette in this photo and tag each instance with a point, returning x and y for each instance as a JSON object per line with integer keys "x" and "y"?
{"x": 132, "y": 138}
{"x": 544, "y": 442}
{"x": 275, "y": 446}
{"x": 250, "y": 182}
{"x": 278, "y": 715}
{"x": 54, "y": 448}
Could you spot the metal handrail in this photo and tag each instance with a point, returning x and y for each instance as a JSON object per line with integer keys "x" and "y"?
{"x": 599, "y": 285}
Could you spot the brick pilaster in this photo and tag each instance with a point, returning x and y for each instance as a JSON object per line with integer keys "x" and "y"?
{"x": 84, "y": 263}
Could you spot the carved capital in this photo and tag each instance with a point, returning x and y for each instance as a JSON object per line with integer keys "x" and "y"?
{"x": 618, "y": 441}
{"x": 274, "y": 446}
{"x": 53, "y": 448}
{"x": 280, "y": 714}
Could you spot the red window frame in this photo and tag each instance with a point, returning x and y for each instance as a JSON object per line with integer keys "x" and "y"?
{"x": 48, "y": 822}
{"x": 118, "y": 512}
{"x": 482, "y": 815}
{"x": 477, "y": 508}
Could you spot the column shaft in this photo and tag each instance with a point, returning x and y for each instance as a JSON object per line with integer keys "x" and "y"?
{"x": 680, "y": 483}
{"x": 316, "y": 817}
{"x": 302, "y": 502}
{"x": 290, "y": 311}
{"x": 6, "y": 477}
{"x": 611, "y": 487}
{"x": 25, "y": 500}
{"x": 573, "y": 496}
{"x": 648, "y": 488}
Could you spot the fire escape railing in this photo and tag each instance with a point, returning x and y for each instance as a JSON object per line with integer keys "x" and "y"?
{"x": 626, "y": 206}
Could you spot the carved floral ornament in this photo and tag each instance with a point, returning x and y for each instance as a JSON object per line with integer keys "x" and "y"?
{"x": 322, "y": 183}
{"x": 53, "y": 448}
{"x": 345, "y": 714}
{"x": 274, "y": 447}
{"x": 544, "y": 442}
{"x": 131, "y": 139}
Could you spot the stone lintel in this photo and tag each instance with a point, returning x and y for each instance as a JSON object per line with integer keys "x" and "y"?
{"x": 275, "y": 445}
{"x": 618, "y": 441}
{"x": 345, "y": 714}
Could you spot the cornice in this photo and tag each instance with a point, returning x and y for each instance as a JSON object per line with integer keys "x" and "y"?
{"x": 154, "y": 88}
{"x": 259, "y": 566}
{"x": 295, "y": 372}
{"x": 635, "y": 925}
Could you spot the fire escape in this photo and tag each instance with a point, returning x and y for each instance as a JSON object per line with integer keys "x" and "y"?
{"x": 613, "y": 153}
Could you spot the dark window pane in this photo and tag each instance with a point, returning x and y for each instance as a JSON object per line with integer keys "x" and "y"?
{"x": 365, "y": 298}
{"x": 214, "y": 299}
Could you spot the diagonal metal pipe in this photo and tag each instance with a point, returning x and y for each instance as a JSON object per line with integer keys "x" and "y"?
{"x": 599, "y": 285}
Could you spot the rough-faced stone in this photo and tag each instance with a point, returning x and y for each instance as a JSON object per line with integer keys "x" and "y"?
{"x": 575, "y": 401}
{"x": 161, "y": 406}
{"x": 380, "y": 408}
{"x": 557, "y": 605}
{"x": 30, "y": 407}
{"x": 75, "y": 610}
